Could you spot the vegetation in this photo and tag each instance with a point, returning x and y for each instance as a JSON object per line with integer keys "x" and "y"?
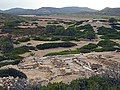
{"x": 103, "y": 45}
{"x": 11, "y": 72}
{"x": 88, "y": 48}
{"x": 54, "y": 45}
{"x": 107, "y": 43}
{"x": 104, "y": 31}
{"x": 112, "y": 20}
{"x": 111, "y": 36}
{"x": 73, "y": 31}
{"x": 92, "y": 83}
{"x": 23, "y": 39}
{"x": 9, "y": 62}
{"x": 20, "y": 50}
{"x": 6, "y": 45}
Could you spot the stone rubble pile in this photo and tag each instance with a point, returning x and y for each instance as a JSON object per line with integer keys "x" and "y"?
{"x": 11, "y": 83}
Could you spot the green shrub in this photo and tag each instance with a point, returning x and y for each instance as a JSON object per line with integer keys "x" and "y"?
{"x": 104, "y": 31}
{"x": 90, "y": 46}
{"x": 11, "y": 72}
{"x": 20, "y": 50}
{"x": 92, "y": 83}
{"x": 69, "y": 39}
{"x": 9, "y": 62}
{"x": 23, "y": 39}
{"x": 107, "y": 43}
{"x": 6, "y": 45}
{"x": 111, "y": 36}
{"x": 55, "y": 39}
{"x": 40, "y": 38}
{"x": 55, "y": 45}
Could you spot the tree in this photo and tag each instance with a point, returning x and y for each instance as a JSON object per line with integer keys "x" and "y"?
{"x": 59, "y": 30}
{"x": 112, "y": 20}
{"x": 70, "y": 31}
{"x": 6, "y": 45}
{"x": 90, "y": 35}
{"x": 50, "y": 29}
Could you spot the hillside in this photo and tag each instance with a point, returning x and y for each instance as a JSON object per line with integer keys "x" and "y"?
{"x": 9, "y": 17}
{"x": 65, "y": 10}
{"x": 48, "y": 10}
{"x": 111, "y": 11}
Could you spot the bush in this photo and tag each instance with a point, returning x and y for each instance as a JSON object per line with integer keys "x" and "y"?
{"x": 55, "y": 39}
{"x": 104, "y": 31}
{"x": 88, "y": 48}
{"x": 92, "y": 83}
{"x": 41, "y": 38}
{"x": 11, "y": 72}
{"x": 107, "y": 43}
{"x": 50, "y": 29}
{"x": 69, "y": 39}
{"x": 106, "y": 49}
{"x": 20, "y": 50}
{"x": 111, "y": 36}
{"x": 6, "y": 45}
{"x": 55, "y": 45}
{"x": 23, "y": 39}
{"x": 9, "y": 62}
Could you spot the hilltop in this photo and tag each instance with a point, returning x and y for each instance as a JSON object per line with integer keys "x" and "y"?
{"x": 65, "y": 10}
{"x": 48, "y": 10}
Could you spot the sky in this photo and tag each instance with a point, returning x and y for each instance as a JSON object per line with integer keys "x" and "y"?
{"x": 35, "y": 4}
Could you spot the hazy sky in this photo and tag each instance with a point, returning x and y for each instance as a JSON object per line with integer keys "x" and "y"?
{"x": 35, "y": 4}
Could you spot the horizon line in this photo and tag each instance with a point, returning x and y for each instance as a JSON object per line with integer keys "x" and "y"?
{"x": 53, "y": 7}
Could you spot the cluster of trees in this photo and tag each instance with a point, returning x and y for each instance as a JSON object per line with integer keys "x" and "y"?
{"x": 59, "y": 30}
{"x": 108, "y": 33}
{"x": 55, "y": 45}
{"x": 52, "y": 30}
{"x": 92, "y": 83}
{"x": 11, "y": 24}
{"x": 9, "y": 54}
{"x": 111, "y": 36}
{"x": 28, "y": 32}
{"x": 103, "y": 31}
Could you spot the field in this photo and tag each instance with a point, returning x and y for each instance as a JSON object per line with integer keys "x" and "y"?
{"x": 60, "y": 48}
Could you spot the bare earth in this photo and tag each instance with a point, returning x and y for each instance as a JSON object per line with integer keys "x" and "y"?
{"x": 66, "y": 68}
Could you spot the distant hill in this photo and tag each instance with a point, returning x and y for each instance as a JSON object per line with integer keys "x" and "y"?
{"x": 48, "y": 10}
{"x": 1, "y": 11}
{"x": 64, "y": 10}
{"x": 111, "y": 11}
{"x": 9, "y": 17}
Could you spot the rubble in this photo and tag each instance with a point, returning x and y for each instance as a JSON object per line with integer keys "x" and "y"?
{"x": 57, "y": 66}
{"x": 65, "y": 68}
